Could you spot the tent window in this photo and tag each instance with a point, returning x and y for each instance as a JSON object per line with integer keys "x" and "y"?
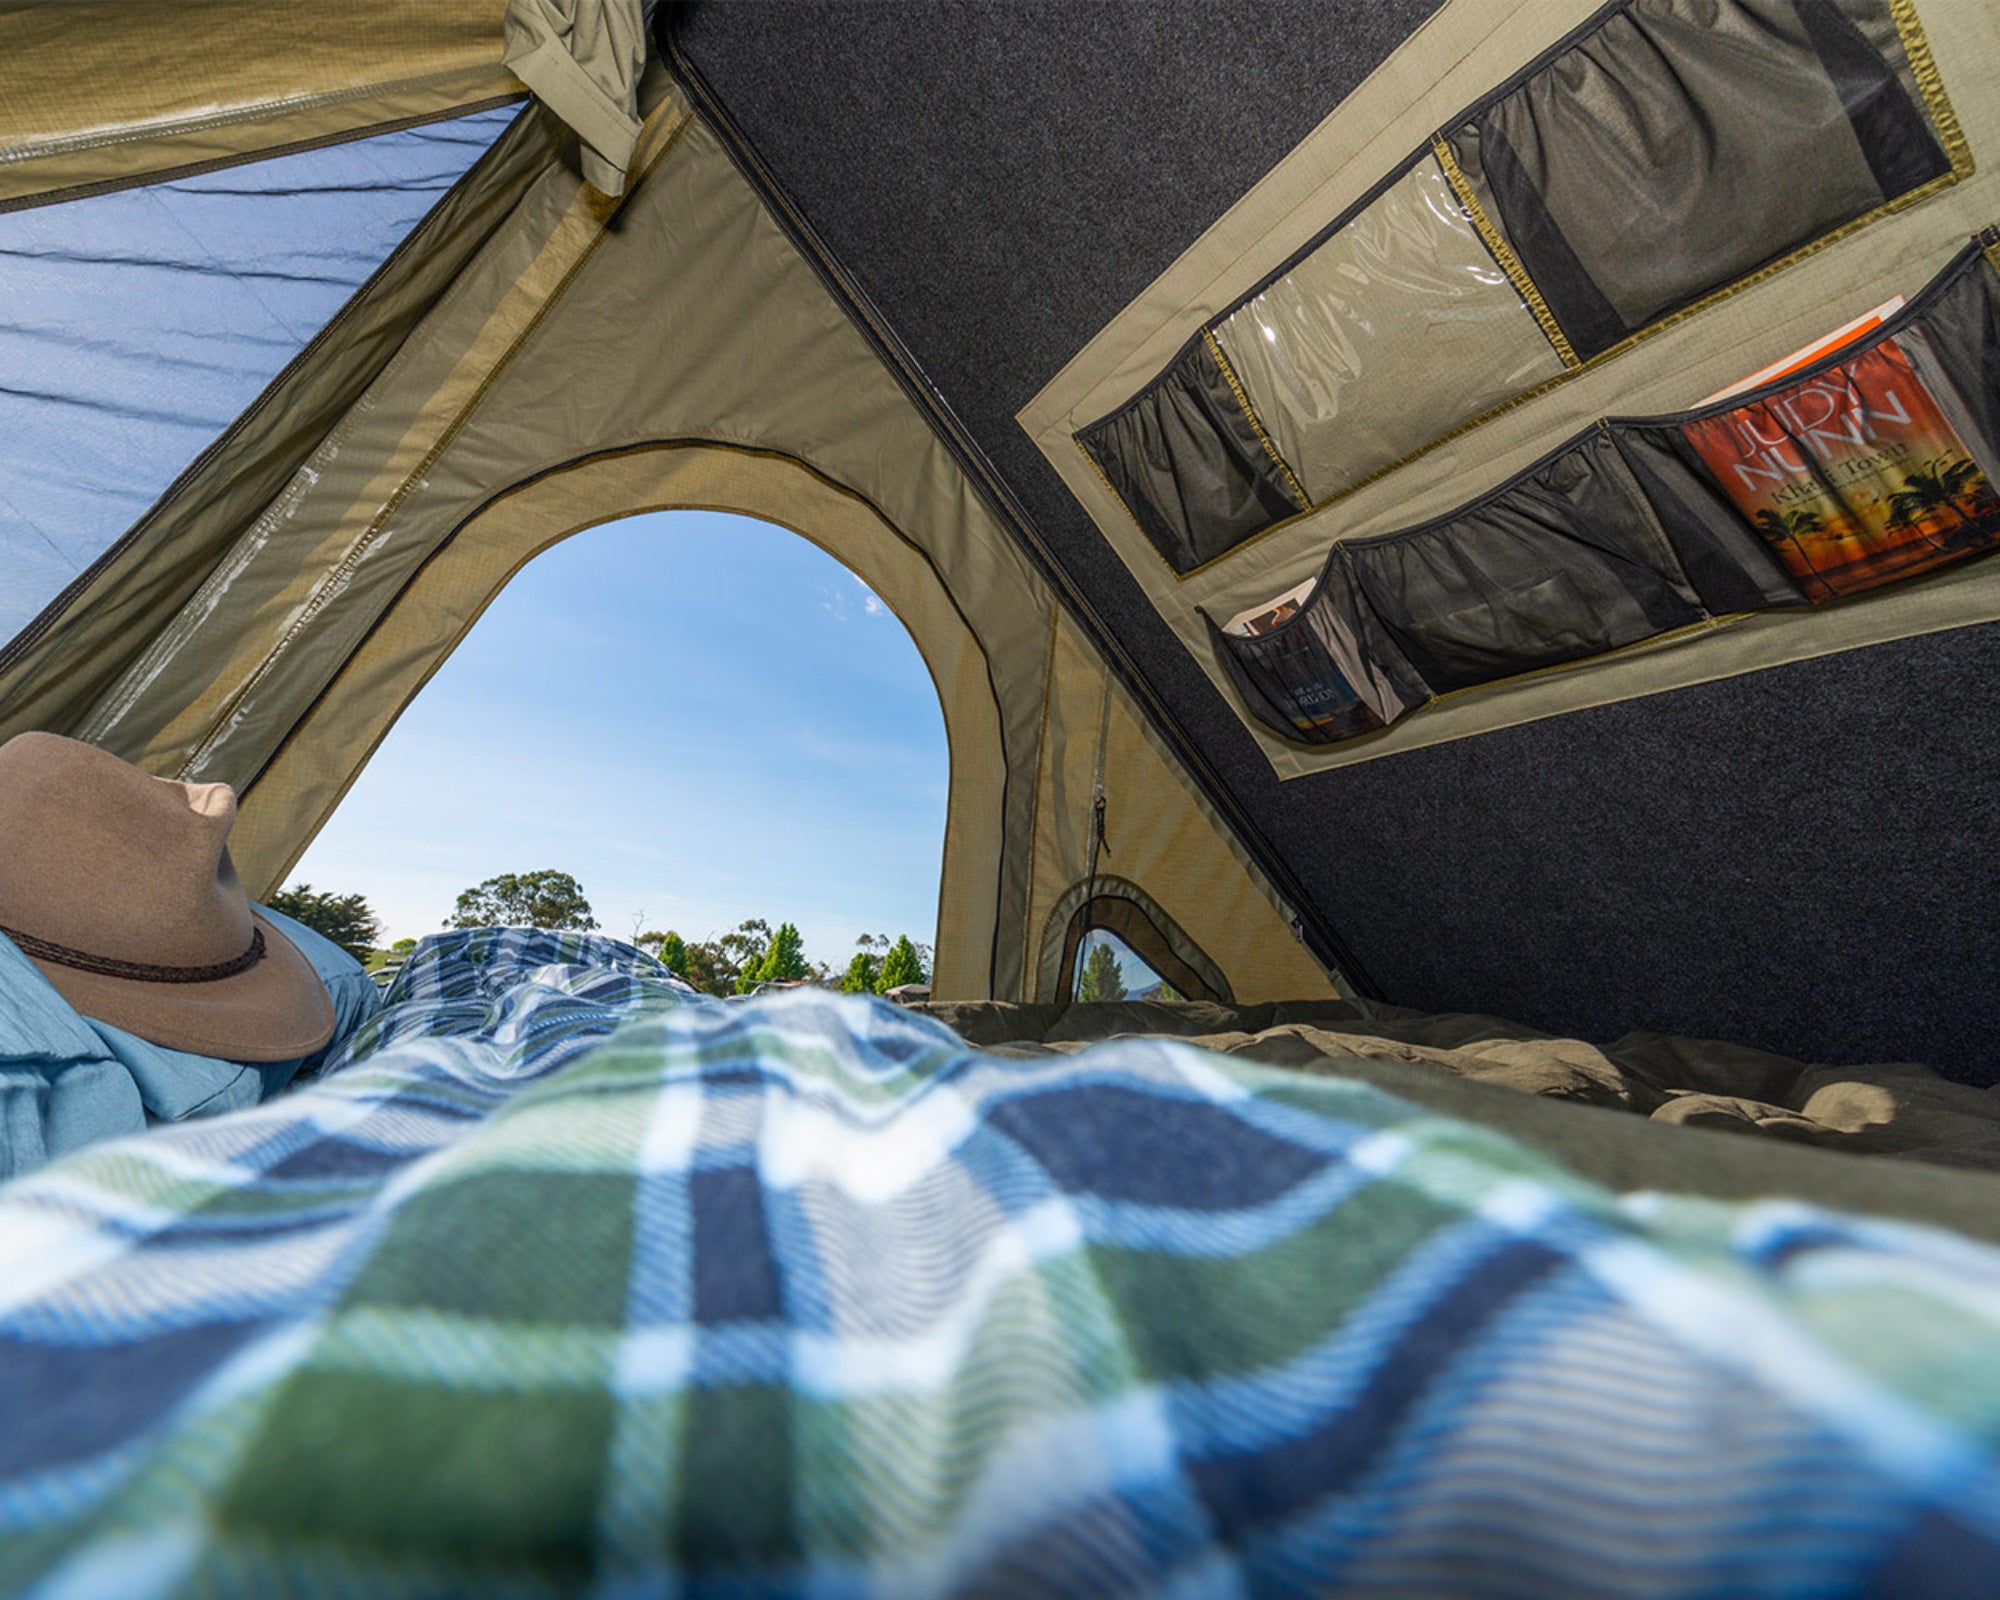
{"x": 136, "y": 325}
{"x": 1111, "y": 906}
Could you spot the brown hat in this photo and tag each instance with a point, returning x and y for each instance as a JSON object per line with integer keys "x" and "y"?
{"x": 119, "y": 887}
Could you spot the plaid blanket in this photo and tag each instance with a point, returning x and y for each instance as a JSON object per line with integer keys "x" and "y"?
{"x": 560, "y": 1280}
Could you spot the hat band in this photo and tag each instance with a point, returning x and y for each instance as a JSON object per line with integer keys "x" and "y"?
{"x": 138, "y": 971}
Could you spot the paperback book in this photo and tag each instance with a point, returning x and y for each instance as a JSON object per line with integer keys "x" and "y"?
{"x": 1859, "y": 474}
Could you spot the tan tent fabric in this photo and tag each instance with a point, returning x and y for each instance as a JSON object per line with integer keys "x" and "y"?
{"x": 1160, "y": 836}
{"x": 106, "y": 92}
{"x": 315, "y": 767}
{"x": 57, "y": 674}
{"x": 575, "y": 371}
{"x": 1467, "y": 48}
{"x": 583, "y": 59}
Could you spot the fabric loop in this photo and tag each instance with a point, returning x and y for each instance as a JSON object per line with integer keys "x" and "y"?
{"x": 583, "y": 58}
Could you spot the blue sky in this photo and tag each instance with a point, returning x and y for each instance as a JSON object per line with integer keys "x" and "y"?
{"x": 699, "y": 716}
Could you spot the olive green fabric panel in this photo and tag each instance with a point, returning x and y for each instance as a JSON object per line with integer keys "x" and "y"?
{"x": 585, "y": 327}
{"x": 1396, "y": 329}
{"x": 54, "y": 676}
{"x": 161, "y": 89}
{"x": 339, "y": 521}
{"x": 312, "y": 772}
{"x": 1160, "y": 835}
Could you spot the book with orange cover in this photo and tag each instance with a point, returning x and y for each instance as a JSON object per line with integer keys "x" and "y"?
{"x": 1856, "y": 475}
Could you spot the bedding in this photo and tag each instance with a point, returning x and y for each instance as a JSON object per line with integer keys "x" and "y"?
{"x": 1889, "y": 1108}
{"x": 557, "y": 1278}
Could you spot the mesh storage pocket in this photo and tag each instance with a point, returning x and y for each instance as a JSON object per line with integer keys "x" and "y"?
{"x": 1191, "y": 463}
{"x": 1329, "y": 673}
{"x": 1678, "y": 145}
{"x": 1726, "y": 564}
{"x": 1566, "y": 561}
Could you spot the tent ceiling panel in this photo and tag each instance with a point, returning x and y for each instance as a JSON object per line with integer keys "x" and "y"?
{"x": 996, "y": 183}
{"x": 135, "y": 326}
{"x": 102, "y": 93}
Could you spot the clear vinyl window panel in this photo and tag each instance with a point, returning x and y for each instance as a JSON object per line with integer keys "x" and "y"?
{"x": 135, "y": 326}
{"x": 1396, "y": 329}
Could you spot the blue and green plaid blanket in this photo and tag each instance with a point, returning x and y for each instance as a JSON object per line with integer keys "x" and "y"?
{"x": 560, "y": 1280}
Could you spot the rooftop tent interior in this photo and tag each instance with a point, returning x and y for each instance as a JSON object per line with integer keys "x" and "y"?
{"x": 985, "y": 299}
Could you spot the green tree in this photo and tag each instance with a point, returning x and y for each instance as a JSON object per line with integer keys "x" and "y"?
{"x": 709, "y": 968}
{"x": 528, "y": 899}
{"x": 401, "y": 949}
{"x": 900, "y": 966}
{"x": 743, "y": 947}
{"x": 783, "y": 961}
{"x": 344, "y": 918}
{"x": 674, "y": 954}
{"x": 1103, "y": 975}
{"x": 861, "y": 975}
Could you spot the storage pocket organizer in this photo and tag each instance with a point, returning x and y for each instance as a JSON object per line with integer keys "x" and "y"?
{"x": 1664, "y": 151}
{"x": 1877, "y": 462}
{"x": 1190, "y": 461}
{"x": 1399, "y": 327}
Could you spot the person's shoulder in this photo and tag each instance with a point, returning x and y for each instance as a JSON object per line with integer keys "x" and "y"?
{"x": 354, "y": 993}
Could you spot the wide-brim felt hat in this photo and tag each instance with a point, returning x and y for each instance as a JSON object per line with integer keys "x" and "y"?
{"x": 119, "y": 888}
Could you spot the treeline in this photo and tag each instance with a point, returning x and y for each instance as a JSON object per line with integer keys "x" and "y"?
{"x": 747, "y": 958}
{"x": 753, "y": 955}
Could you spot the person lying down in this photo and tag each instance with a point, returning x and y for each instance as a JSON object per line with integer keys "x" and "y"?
{"x": 137, "y": 982}
{"x": 551, "y": 1277}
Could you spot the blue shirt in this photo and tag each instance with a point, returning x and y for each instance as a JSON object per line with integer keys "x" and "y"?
{"x": 67, "y": 1079}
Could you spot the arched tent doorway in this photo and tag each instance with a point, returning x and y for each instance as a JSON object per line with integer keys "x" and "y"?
{"x": 298, "y": 791}
{"x": 700, "y": 718}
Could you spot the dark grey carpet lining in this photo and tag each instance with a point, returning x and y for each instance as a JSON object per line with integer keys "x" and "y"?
{"x": 1002, "y": 178}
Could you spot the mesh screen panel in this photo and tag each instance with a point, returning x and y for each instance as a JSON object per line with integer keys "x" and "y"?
{"x": 135, "y": 326}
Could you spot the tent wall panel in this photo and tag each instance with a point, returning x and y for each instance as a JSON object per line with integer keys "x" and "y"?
{"x": 105, "y": 92}
{"x": 594, "y": 357}
{"x": 1160, "y": 837}
{"x": 91, "y": 636}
